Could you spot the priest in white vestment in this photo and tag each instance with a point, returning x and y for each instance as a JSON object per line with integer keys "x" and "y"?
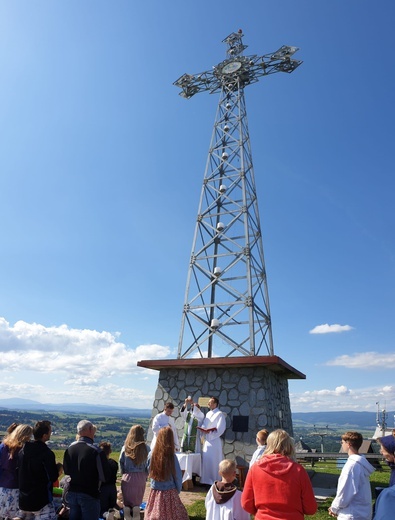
{"x": 162, "y": 420}
{"x": 213, "y": 427}
{"x": 193, "y": 418}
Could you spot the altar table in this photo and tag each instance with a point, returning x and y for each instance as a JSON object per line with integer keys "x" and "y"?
{"x": 190, "y": 463}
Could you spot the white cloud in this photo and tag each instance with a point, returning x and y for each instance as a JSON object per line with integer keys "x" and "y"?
{"x": 328, "y": 329}
{"x": 110, "y": 394}
{"x": 59, "y": 364}
{"x": 9, "y": 389}
{"x": 90, "y": 363}
{"x": 343, "y": 398}
{"x": 339, "y": 390}
{"x": 204, "y": 354}
{"x": 365, "y": 360}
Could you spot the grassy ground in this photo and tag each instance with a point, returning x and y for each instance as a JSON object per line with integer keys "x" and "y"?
{"x": 197, "y": 511}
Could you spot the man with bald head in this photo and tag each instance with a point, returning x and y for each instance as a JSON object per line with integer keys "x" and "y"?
{"x": 88, "y": 467}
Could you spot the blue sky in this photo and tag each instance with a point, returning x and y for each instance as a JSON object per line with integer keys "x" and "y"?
{"x": 101, "y": 165}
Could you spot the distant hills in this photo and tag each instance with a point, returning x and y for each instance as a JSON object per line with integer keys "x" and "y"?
{"x": 300, "y": 419}
{"x": 345, "y": 419}
{"x": 30, "y": 405}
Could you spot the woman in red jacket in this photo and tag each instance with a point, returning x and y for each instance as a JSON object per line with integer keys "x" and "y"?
{"x": 276, "y": 486}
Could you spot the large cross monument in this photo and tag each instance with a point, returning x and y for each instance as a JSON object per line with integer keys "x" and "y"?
{"x": 225, "y": 347}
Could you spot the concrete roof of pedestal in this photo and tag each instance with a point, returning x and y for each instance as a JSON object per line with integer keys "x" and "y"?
{"x": 273, "y": 363}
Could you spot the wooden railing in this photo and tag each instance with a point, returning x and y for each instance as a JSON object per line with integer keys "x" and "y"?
{"x": 334, "y": 455}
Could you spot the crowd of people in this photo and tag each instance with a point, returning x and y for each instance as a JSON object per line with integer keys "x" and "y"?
{"x": 276, "y": 486}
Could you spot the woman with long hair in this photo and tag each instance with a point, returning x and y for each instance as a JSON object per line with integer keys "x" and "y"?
{"x": 9, "y": 449}
{"x": 166, "y": 480}
{"x": 134, "y": 468}
{"x": 276, "y": 486}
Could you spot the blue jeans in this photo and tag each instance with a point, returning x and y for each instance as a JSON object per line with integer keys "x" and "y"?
{"x": 83, "y": 506}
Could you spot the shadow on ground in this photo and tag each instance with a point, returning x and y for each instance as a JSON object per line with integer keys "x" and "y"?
{"x": 324, "y": 484}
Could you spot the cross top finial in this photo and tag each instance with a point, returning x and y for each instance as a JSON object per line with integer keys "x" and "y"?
{"x": 235, "y": 44}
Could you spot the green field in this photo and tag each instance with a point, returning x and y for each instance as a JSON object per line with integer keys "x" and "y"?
{"x": 109, "y": 428}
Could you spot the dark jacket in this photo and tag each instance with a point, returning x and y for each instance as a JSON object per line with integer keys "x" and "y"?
{"x": 8, "y": 473}
{"x": 388, "y": 442}
{"x": 87, "y": 466}
{"x": 112, "y": 479}
{"x": 36, "y": 473}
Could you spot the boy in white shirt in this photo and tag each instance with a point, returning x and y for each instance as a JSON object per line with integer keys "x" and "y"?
{"x": 353, "y": 498}
{"x": 261, "y": 437}
{"x": 223, "y": 498}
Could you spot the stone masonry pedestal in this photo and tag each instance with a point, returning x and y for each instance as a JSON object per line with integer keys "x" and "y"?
{"x": 252, "y": 392}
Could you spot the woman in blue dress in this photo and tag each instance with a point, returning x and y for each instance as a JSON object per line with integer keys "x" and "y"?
{"x": 166, "y": 480}
{"x": 133, "y": 461}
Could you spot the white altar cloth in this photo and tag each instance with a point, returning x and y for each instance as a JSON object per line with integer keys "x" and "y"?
{"x": 190, "y": 463}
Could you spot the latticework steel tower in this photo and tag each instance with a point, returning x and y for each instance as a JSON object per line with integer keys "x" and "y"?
{"x": 226, "y": 307}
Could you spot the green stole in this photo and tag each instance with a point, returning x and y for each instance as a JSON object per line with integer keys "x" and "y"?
{"x": 189, "y": 441}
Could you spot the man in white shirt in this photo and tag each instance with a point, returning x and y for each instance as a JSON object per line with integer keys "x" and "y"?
{"x": 213, "y": 427}
{"x": 164, "y": 419}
